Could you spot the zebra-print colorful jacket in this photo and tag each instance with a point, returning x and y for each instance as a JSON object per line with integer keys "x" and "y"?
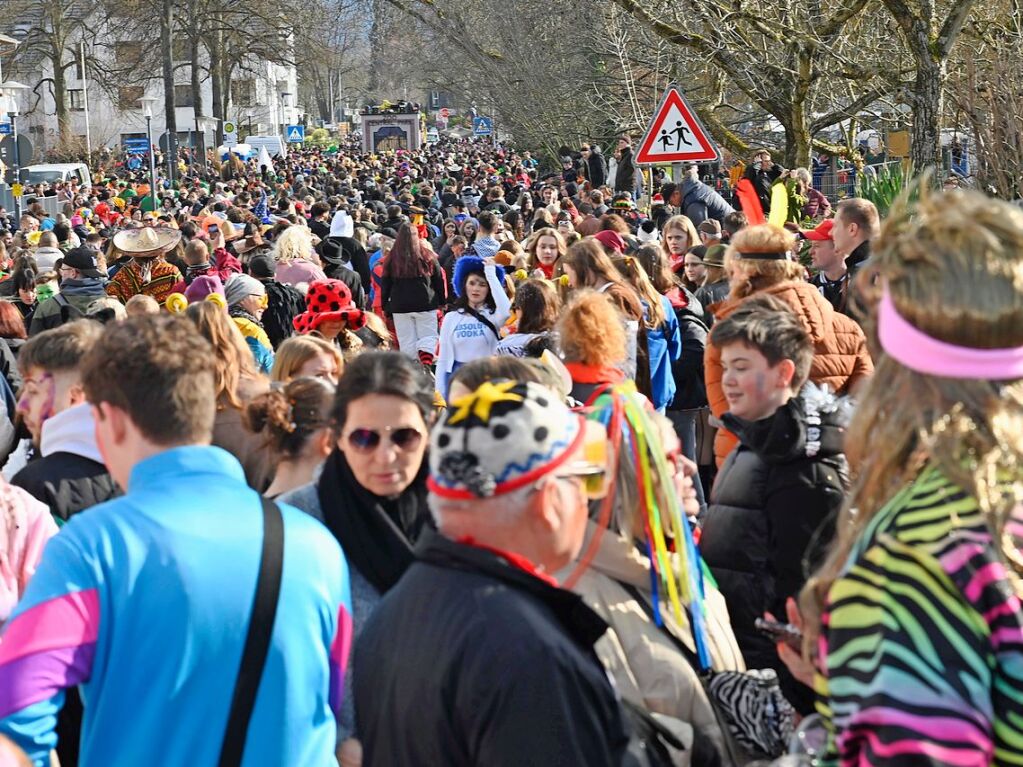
{"x": 922, "y": 642}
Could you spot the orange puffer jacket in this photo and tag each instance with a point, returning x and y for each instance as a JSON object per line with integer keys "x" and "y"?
{"x": 840, "y": 357}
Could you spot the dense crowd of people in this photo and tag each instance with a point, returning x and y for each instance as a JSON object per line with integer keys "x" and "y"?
{"x": 432, "y": 458}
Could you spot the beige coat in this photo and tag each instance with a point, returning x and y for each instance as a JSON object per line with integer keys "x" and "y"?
{"x": 647, "y": 666}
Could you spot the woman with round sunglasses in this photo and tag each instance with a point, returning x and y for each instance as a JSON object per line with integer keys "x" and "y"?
{"x": 371, "y": 493}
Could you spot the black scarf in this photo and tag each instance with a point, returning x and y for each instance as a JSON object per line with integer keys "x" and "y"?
{"x": 375, "y": 533}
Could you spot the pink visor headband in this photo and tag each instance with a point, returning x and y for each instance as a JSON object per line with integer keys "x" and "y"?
{"x": 918, "y": 351}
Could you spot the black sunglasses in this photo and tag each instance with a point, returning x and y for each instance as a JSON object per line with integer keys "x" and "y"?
{"x": 367, "y": 440}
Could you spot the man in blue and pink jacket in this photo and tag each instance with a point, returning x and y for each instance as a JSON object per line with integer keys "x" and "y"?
{"x": 144, "y": 601}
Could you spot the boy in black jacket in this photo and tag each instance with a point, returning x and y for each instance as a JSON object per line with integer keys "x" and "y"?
{"x": 773, "y": 506}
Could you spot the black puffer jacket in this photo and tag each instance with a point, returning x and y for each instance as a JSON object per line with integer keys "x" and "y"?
{"x": 67, "y": 483}
{"x": 772, "y": 511}
{"x": 690, "y": 390}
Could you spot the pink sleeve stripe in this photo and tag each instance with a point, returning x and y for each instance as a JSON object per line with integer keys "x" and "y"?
{"x": 37, "y": 677}
{"x": 69, "y": 620}
{"x": 984, "y": 576}
{"x": 905, "y": 749}
{"x": 342, "y": 644}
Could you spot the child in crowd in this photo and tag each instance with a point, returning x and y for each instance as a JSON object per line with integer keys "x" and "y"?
{"x": 772, "y": 509}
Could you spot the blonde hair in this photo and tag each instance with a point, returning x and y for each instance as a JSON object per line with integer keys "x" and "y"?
{"x": 534, "y": 241}
{"x": 294, "y": 243}
{"x": 683, "y": 224}
{"x": 140, "y": 304}
{"x": 750, "y": 275}
{"x": 233, "y": 358}
{"x": 953, "y": 269}
{"x": 590, "y": 330}
{"x": 632, "y": 270}
{"x": 294, "y": 352}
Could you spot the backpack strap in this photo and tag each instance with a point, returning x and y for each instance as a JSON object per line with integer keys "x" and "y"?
{"x": 257, "y": 640}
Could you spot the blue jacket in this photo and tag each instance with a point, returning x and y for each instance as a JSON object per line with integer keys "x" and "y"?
{"x": 664, "y": 345}
{"x": 700, "y": 202}
{"x": 144, "y": 602}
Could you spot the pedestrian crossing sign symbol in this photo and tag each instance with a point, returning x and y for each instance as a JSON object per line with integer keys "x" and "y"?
{"x": 296, "y": 134}
{"x": 482, "y": 126}
{"x": 675, "y": 134}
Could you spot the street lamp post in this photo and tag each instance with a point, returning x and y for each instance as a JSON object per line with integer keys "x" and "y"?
{"x": 284, "y": 112}
{"x": 9, "y": 104}
{"x": 147, "y": 110}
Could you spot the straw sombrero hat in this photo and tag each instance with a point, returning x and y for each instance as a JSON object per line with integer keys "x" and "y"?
{"x": 148, "y": 242}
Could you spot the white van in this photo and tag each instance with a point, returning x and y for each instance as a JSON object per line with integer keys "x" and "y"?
{"x": 275, "y": 145}
{"x": 46, "y": 174}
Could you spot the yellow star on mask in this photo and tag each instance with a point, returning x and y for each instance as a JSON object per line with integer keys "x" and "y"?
{"x": 480, "y": 401}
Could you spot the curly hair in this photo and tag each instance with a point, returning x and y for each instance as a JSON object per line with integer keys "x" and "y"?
{"x": 590, "y": 331}
{"x": 160, "y": 372}
{"x": 288, "y": 416}
{"x": 952, "y": 267}
{"x": 294, "y": 243}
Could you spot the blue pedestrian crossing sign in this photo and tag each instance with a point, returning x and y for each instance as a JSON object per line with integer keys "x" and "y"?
{"x": 483, "y": 126}
{"x": 134, "y": 163}
{"x": 295, "y": 134}
{"x": 6, "y": 129}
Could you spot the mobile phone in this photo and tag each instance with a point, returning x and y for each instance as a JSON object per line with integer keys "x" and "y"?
{"x": 777, "y": 631}
{"x": 214, "y": 229}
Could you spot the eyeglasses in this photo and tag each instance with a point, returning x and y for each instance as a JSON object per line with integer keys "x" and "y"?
{"x": 367, "y": 440}
{"x": 593, "y": 476}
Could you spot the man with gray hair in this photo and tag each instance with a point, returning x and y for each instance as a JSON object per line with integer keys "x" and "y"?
{"x": 477, "y": 656}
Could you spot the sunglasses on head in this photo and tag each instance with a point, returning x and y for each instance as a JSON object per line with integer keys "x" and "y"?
{"x": 367, "y": 440}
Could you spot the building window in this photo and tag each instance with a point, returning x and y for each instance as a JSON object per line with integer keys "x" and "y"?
{"x": 76, "y": 99}
{"x": 128, "y": 52}
{"x": 128, "y": 97}
{"x": 181, "y": 49}
{"x": 183, "y": 96}
{"x": 243, "y": 92}
{"x": 434, "y": 99}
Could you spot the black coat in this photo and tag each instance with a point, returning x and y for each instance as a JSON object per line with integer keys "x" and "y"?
{"x": 762, "y": 181}
{"x": 67, "y": 482}
{"x": 401, "y": 295}
{"x": 772, "y": 511}
{"x": 625, "y": 176}
{"x": 348, "y": 252}
{"x": 690, "y": 389}
{"x": 471, "y": 661}
{"x": 596, "y": 168}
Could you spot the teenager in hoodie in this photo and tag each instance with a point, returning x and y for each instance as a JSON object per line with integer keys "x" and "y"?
{"x": 67, "y": 472}
{"x": 774, "y": 504}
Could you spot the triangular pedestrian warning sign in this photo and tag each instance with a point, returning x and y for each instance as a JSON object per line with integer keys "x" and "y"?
{"x": 295, "y": 134}
{"x": 675, "y": 134}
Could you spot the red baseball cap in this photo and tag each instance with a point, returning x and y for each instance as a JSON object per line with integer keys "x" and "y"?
{"x": 822, "y": 232}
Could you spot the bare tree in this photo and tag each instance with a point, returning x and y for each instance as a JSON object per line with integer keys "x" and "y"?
{"x": 930, "y": 34}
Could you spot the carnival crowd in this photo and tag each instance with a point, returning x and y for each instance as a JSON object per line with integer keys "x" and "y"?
{"x": 435, "y": 457}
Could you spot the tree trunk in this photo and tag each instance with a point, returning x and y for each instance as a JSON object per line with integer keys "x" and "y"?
{"x": 797, "y": 138}
{"x": 61, "y": 105}
{"x": 214, "y": 44}
{"x": 170, "y": 113}
{"x": 928, "y": 98}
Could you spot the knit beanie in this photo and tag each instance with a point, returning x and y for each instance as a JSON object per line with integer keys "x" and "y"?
{"x": 240, "y": 287}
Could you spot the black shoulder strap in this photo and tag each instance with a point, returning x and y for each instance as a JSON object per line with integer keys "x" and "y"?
{"x": 257, "y": 640}
{"x": 479, "y": 315}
